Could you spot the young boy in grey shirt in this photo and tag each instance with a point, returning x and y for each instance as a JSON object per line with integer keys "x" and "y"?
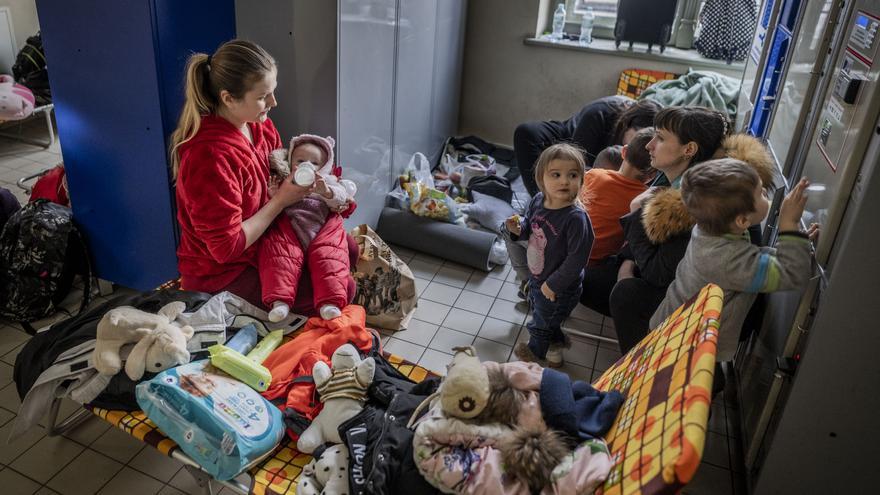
{"x": 725, "y": 197}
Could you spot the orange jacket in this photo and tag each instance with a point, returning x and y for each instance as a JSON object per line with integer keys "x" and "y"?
{"x": 316, "y": 342}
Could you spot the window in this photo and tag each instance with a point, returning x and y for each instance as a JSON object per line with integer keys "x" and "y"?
{"x": 686, "y": 16}
{"x": 604, "y": 10}
{"x": 600, "y": 7}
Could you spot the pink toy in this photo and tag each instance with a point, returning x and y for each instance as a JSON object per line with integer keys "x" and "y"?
{"x": 16, "y": 101}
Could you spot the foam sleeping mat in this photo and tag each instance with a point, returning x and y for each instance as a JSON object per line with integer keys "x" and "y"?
{"x": 444, "y": 240}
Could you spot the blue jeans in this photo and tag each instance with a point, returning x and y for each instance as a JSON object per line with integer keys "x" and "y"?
{"x": 545, "y": 327}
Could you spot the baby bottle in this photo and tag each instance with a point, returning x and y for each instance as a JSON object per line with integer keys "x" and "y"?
{"x": 305, "y": 174}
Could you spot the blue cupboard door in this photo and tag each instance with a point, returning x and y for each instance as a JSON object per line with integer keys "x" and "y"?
{"x": 115, "y": 108}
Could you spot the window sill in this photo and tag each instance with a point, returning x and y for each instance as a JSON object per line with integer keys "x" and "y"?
{"x": 606, "y": 47}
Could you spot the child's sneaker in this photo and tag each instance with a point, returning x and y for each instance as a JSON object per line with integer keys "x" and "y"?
{"x": 523, "y": 292}
{"x": 554, "y": 355}
{"x": 523, "y": 353}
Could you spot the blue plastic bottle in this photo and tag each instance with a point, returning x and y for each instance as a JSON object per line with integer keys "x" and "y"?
{"x": 244, "y": 340}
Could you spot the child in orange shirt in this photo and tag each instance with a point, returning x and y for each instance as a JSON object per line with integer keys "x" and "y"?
{"x": 606, "y": 195}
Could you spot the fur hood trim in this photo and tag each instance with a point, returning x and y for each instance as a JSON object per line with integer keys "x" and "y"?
{"x": 664, "y": 216}
{"x": 752, "y": 151}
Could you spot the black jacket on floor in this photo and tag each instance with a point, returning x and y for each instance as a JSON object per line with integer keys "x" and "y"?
{"x": 43, "y": 349}
{"x": 379, "y": 443}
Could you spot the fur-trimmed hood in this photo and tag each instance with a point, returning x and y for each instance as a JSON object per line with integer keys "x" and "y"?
{"x": 664, "y": 214}
{"x": 752, "y": 151}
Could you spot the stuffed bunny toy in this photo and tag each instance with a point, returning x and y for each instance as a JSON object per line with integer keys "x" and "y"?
{"x": 343, "y": 389}
{"x": 16, "y": 101}
{"x": 126, "y": 325}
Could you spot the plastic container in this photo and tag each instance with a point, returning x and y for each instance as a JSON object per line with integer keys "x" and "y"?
{"x": 558, "y": 22}
{"x": 587, "y": 21}
{"x": 305, "y": 174}
{"x": 248, "y": 369}
{"x": 244, "y": 340}
{"x": 266, "y": 346}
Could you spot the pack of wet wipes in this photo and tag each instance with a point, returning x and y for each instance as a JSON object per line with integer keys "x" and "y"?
{"x": 222, "y": 424}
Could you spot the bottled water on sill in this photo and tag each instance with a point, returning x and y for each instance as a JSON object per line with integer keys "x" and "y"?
{"x": 558, "y": 22}
{"x": 587, "y": 27}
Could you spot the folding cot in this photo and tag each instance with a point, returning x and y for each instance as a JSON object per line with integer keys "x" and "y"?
{"x": 656, "y": 442}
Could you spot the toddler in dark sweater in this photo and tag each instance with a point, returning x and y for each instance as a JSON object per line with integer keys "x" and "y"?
{"x": 559, "y": 238}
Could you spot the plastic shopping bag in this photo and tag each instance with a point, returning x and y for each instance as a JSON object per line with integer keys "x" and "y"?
{"x": 416, "y": 192}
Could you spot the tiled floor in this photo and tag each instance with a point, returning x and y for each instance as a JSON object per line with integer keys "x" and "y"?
{"x": 457, "y": 306}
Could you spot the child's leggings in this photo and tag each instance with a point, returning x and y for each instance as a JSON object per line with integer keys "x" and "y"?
{"x": 545, "y": 327}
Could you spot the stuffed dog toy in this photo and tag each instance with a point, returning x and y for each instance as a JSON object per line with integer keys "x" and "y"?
{"x": 159, "y": 342}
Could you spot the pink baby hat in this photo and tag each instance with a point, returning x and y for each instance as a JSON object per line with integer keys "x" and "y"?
{"x": 325, "y": 143}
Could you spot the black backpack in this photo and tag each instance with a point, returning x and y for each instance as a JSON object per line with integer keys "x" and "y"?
{"x": 41, "y": 251}
{"x": 30, "y": 69}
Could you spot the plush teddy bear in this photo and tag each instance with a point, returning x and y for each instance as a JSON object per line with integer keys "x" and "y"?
{"x": 465, "y": 390}
{"x": 159, "y": 342}
{"x": 480, "y": 396}
{"x": 16, "y": 101}
{"x": 325, "y": 475}
{"x": 343, "y": 389}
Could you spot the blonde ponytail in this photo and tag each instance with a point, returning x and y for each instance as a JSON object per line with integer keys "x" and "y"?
{"x": 235, "y": 67}
{"x": 197, "y": 103}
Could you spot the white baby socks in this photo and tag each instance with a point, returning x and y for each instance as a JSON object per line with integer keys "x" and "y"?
{"x": 329, "y": 311}
{"x": 279, "y": 311}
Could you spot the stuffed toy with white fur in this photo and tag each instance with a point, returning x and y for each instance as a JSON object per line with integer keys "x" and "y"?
{"x": 343, "y": 390}
{"x": 472, "y": 393}
{"x": 159, "y": 342}
{"x": 325, "y": 475}
{"x": 164, "y": 348}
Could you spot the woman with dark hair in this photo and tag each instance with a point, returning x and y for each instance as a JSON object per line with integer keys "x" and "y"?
{"x": 601, "y": 123}
{"x": 658, "y": 230}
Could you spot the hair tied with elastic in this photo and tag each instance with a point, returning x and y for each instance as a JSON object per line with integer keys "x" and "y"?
{"x": 723, "y": 122}
{"x": 208, "y": 63}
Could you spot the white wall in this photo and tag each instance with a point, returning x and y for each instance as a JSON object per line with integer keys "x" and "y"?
{"x": 24, "y": 19}
{"x": 506, "y": 82}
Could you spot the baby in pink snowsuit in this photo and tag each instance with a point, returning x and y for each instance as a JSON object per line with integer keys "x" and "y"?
{"x": 320, "y": 242}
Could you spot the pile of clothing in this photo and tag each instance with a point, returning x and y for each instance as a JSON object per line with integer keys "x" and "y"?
{"x": 61, "y": 361}
{"x": 486, "y": 428}
{"x": 697, "y": 89}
